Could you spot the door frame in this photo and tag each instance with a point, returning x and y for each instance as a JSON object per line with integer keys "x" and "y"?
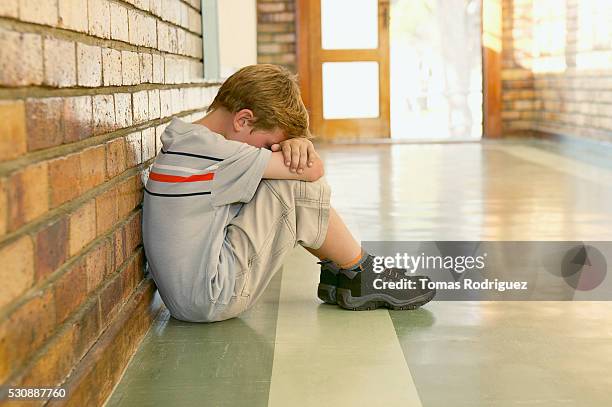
{"x": 491, "y": 64}
{"x": 306, "y": 38}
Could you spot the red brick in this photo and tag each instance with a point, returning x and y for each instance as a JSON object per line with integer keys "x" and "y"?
{"x": 140, "y": 102}
{"x": 106, "y": 210}
{"x": 17, "y": 271}
{"x": 99, "y": 18}
{"x": 133, "y": 233}
{"x": 44, "y": 123}
{"x": 110, "y": 298}
{"x": 127, "y": 193}
{"x": 154, "y": 104}
{"x": 77, "y": 118}
{"x": 13, "y": 139}
{"x": 119, "y": 253}
{"x": 59, "y": 61}
{"x": 64, "y": 179}
{"x": 9, "y": 8}
{"x": 146, "y": 68}
{"x": 134, "y": 149}
{"x": 54, "y": 364}
{"x": 70, "y": 291}
{"x": 24, "y": 331}
{"x": 72, "y": 15}
{"x": 3, "y": 207}
{"x": 93, "y": 167}
{"x": 140, "y": 265}
{"x": 51, "y": 247}
{"x": 89, "y": 65}
{"x": 82, "y": 227}
{"x": 139, "y": 191}
{"x": 111, "y": 62}
{"x": 28, "y": 195}
{"x": 119, "y": 22}
{"x": 103, "y": 114}
{"x": 21, "y": 61}
{"x": 133, "y": 275}
{"x": 86, "y": 327}
{"x": 130, "y": 64}
{"x": 38, "y": 11}
{"x": 123, "y": 109}
{"x": 115, "y": 157}
{"x": 96, "y": 265}
{"x": 128, "y": 277}
{"x": 148, "y": 144}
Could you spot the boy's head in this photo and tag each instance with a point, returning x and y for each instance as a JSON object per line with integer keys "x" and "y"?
{"x": 265, "y": 105}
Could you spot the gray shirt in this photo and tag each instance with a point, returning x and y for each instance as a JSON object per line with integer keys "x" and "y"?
{"x": 197, "y": 184}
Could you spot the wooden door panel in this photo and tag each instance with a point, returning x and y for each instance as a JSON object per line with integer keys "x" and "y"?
{"x": 326, "y": 128}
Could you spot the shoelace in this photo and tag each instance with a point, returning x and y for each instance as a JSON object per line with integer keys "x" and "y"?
{"x": 392, "y": 274}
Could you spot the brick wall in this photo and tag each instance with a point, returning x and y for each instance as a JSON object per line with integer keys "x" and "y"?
{"x": 276, "y": 35}
{"x": 557, "y": 68}
{"x": 86, "y": 88}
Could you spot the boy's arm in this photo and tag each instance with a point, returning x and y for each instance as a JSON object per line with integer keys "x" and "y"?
{"x": 277, "y": 169}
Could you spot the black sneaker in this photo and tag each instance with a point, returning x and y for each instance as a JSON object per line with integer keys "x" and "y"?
{"x": 328, "y": 281}
{"x": 366, "y": 290}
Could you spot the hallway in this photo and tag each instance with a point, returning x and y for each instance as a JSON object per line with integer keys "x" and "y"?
{"x": 292, "y": 350}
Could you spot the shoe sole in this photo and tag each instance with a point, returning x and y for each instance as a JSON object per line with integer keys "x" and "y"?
{"x": 327, "y": 293}
{"x": 374, "y": 301}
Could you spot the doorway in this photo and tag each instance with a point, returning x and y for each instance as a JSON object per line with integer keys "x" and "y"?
{"x": 400, "y": 69}
{"x": 436, "y": 69}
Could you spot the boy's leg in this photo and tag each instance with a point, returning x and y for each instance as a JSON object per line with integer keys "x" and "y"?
{"x": 339, "y": 245}
{"x": 282, "y": 214}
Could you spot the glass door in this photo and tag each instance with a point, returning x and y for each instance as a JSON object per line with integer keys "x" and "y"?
{"x": 436, "y": 69}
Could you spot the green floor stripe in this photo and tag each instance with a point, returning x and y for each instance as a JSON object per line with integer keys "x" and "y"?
{"x": 220, "y": 364}
{"x": 327, "y": 356}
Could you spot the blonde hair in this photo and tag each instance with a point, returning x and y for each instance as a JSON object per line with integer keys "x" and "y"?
{"x": 272, "y": 93}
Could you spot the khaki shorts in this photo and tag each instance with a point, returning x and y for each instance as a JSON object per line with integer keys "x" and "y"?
{"x": 281, "y": 215}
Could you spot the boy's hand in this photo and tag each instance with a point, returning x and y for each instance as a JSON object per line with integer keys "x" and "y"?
{"x": 297, "y": 153}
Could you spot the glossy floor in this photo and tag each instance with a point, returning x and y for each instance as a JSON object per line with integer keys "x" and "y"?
{"x": 290, "y": 350}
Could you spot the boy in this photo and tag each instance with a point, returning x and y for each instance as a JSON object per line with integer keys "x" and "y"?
{"x": 229, "y": 195}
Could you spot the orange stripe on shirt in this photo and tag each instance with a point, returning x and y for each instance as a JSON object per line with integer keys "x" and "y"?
{"x": 155, "y": 176}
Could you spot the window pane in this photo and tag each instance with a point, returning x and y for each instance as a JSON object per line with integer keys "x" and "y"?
{"x": 349, "y": 24}
{"x": 350, "y": 90}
